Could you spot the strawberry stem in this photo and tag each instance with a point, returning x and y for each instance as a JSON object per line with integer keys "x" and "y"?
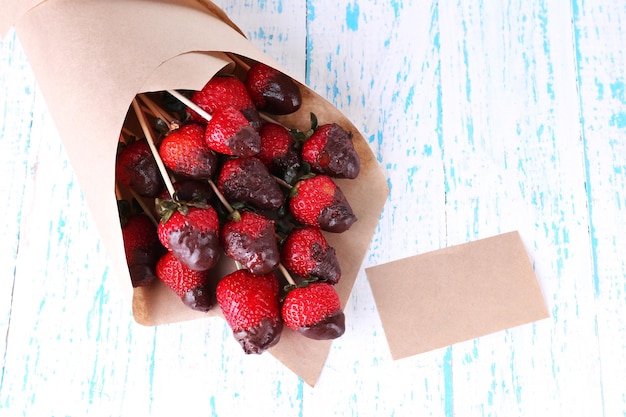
{"x": 150, "y": 139}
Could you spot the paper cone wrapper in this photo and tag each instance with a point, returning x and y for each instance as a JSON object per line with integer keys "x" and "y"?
{"x": 92, "y": 57}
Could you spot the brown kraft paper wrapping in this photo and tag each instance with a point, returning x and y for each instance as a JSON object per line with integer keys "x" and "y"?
{"x": 92, "y": 57}
{"x": 456, "y": 294}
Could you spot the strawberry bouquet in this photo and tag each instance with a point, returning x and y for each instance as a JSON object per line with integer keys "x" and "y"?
{"x": 140, "y": 88}
{"x": 224, "y": 141}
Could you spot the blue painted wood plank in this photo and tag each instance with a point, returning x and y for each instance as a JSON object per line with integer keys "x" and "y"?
{"x": 379, "y": 64}
{"x": 16, "y": 112}
{"x": 511, "y": 135}
{"x": 600, "y": 37}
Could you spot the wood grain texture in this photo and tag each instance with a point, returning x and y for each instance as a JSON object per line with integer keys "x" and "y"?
{"x": 513, "y": 157}
{"x": 486, "y": 117}
{"x": 600, "y": 38}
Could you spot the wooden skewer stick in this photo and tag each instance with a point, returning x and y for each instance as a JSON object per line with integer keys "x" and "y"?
{"x": 206, "y": 116}
{"x": 221, "y": 197}
{"x": 150, "y": 138}
{"x": 127, "y": 132}
{"x": 159, "y": 112}
{"x": 238, "y": 61}
{"x": 282, "y": 182}
{"x": 286, "y": 274}
{"x": 144, "y": 207}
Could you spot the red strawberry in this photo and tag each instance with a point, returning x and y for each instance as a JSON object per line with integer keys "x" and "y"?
{"x": 247, "y": 180}
{"x": 278, "y": 151}
{"x": 307, "y": 253}
{"x": 319, "y": 202}
{"x": 314, "y": 311}
{"x": 230, "y": 133}
{"x": 142, "y": 248}
{"x": 185, "y": 152}
{"x": 225, "y": 91}
{"x": 192, "y": 237}
{"x": 193, "y": 287}
{"x": 271, "y": 90}
{"x": 250, "y": 239}
{"x": 251, "y": 307}
{"x": 330, "y": 151}
{"x": 136, "y": 168}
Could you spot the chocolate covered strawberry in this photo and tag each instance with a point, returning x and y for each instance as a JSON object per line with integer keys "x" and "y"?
{"x": 319, "y": 202}
{"x": 225, "y": 91}
{"x": 193, "y": 287}
{"x": 251, "y": 307}
{"x": 230, "y": 133}
{"x": 271, "y": 90}
{"x": 250, "y": 239}
{"x": 307, "y": 253}
{"x": 136, "y": 168}
{"x": 184, "y": 152}
{"x": 141, "y": 247}
{"x": 314, "y": 311}
{"x": 248, "y": 181}
{"x": 330, "y": 151}
{"x": 278, "y": 151}
{"x": 192, "y": 235}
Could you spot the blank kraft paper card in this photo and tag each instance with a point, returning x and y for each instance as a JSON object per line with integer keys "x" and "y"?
{"x": 456, "y": 294}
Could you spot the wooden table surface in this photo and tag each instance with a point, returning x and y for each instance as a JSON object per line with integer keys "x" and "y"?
{"x": 486, "y": 117}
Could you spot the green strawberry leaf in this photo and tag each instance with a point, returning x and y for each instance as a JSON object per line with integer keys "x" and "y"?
{"x": 161, "y": 127}
{"x": 309, "y": 280}
{"x": 314, "y": 124}
{"x": 183, "y": 209}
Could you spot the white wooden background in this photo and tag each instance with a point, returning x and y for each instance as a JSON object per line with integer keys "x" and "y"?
{"x": 486, "y": 116}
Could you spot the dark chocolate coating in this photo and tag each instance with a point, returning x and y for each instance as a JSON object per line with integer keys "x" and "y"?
{"x": 338, "y": 217}
{"x": 331, "y": 327}
{"x": 192, "y": 190}
{"x": 282, "y": 95}
{"x": 290, "y": 161}
{"x": 246, "y": 142}
{"x": 327, "y": 265}
{"x": 254, "y": 186}
{"x": 142, "y": 264}
{"x": 198, "y": 251}
{"x": 253, "y": 117}
{"x": 338, "y": 158}
{"x": 146, "y": 179}
{"x": 261, "y": 337}
{"x": 201, "y": 298}
{"x": 141, "y": 275}
{"x": 259, "y": 255}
